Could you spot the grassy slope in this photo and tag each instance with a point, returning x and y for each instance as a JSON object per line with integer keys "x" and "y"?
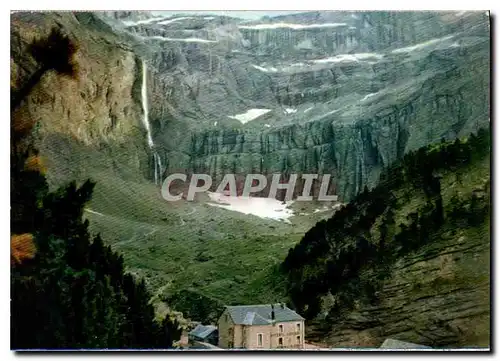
{"x": 226, "y": 256}
{"x": 220, "y": 254}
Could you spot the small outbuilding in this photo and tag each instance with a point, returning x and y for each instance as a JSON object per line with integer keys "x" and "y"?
{"x": 204, "y": 333}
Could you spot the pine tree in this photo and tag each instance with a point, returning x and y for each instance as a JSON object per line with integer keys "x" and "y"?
{"x": 68, "y": 290}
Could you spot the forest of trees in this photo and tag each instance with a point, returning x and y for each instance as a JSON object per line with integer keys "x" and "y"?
{"x": 68, "y": 289}
{"x": 330, "y": 256}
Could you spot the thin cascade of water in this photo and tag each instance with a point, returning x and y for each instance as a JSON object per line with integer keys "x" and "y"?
{"x": 155, "y": 157}
{"x": 144, "y": 96}
{"x": 145, "y": 119}
{"x": 160, "y": 170}
{"x": 158, "y": 167}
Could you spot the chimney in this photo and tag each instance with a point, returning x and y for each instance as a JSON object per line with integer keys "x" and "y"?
{"x": 272, "y": 312}
{"x": 282, "y": 306}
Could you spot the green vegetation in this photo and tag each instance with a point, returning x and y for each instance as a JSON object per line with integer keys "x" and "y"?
{"x": 103, "y": 264}
{"x": 178, "y": 247}
{"x": 68, "y": 290}
{"x": 195, "y": 257}
{"x": 434, "y": 195}
{"x": 200, "y": 254}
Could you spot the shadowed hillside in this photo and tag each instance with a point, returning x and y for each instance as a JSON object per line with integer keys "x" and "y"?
{"x": 408, "y": 259}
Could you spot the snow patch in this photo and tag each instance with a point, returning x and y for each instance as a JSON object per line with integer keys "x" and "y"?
{"x": 334, "y": 59}
{"x": 267, "y": 125}
{"x": 331, "y": 112}
{"x": 260, "y": 68}
{"x": 421, "y": 45}
{"x": 261, "y": 207}
{"x": 169, "y": 21}
{"x": 368, "y": 96}
{"x": 265, "y": 70}
{"x": 308, "y": 109}
{"x": 348, "y": 57}
{"x": 146, "y": 21}
{"x": 187, "y": 40}
{"x": 290, "y": 110}
{"x": 215, "y": 123}
{"x": 249, "y": 115}
{"x": 290, "y": 26}
{"x": 293, "y": 67}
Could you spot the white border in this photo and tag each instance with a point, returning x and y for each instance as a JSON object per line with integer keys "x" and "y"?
{"x": 253, "y": 5}
{"x": 190, "y": 5}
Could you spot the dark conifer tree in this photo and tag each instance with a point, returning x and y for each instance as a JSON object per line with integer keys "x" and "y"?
{"x": 71, "y": 291}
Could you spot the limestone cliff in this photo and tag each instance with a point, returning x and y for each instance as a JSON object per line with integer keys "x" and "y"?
{"x": 354, "y": 116}
{"x": 100, "y": 111}
{"x": 402, "y": 261}
{"x": 439, "y": 297}
{"x": 344, "y": 93}
{"x": 101, "y": 104}
{"x": 367, "y": 88}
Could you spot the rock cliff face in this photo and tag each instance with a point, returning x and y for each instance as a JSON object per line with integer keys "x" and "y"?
{"x": 346, "y": 93}
{"x": 439, "y": 297}
{"x": 100, "y": 111}
{"x": 340, "y": 93}
{"x": 102, "y": 104}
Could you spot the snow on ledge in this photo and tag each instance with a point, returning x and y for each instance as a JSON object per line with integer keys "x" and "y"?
{"x": 166, "y": 22}
{"x": 146, "y": 21}
{"x": 258, "y": 206}
{"x": 186, "y": 40}
{"x": 249, "y": 115}
{"x": 265, "y": 70}
{"x": 421, "y": 45}
{"x": 367, "y": 96}
{"x": 348, "y": 57}
{"x": 290, "y": 26}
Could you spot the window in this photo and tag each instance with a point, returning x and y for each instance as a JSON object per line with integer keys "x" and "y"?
{"x": 298, "y": 340}
{"x": 298, "y": 327}
{"x": 259, "y": 339}
{"x": 280, "y": 327}
{"x": 280, "y": 341}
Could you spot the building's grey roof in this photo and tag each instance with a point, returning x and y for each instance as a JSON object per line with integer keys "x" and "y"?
{"x": 261, "y": 314}
{"x": 202, "y": 331}
{"x": 396, "y": 344}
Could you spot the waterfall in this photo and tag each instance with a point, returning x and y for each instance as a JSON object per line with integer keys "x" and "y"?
{"x": 145, "y": 119}
{"x": 144, "y": 95}
{"x": 158, "y": 167}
